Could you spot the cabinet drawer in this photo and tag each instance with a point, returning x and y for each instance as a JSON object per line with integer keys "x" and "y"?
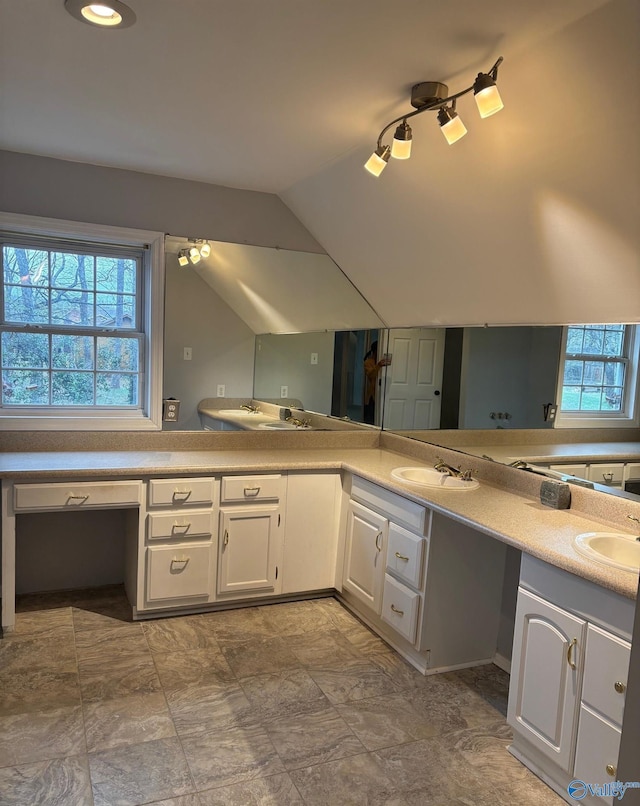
{"x": 179, "y": 573}
{"x": 180, "y": 492}
{"x": 71, "y": 495}
{"x": 404, "y": 555}
{"x": 395, "y": 507}
{"x": 597, "y": 748}
{"x": 606, "y": 473}
{"x": 400, "y": 608}
{"x": 605, "y": 671}
{"x": 189, "y": 523}
{"x": 251, "y": 488}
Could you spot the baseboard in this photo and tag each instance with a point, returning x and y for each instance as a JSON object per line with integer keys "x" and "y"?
{"x": 502, "y": 663}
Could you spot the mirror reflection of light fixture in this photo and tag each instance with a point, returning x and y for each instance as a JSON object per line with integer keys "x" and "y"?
{"x": 194, "y": 255}
{"x": 434, "y": 96}
{"x": 205, "y": 249}
{"x": 183, "y": 257}
{"x": 105, "y": 14}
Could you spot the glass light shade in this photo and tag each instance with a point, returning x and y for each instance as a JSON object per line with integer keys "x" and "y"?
{"x": 377, "y": 162}
{"x": 205, "y": 250}
{"x": 401, "y": 149}
{"x": 194, "y": 255}
{"x": 488, "y": 101}
{"x": 101, "y": 14}
{"x": 453, "y": 130}
{"x": 182, "y": 259}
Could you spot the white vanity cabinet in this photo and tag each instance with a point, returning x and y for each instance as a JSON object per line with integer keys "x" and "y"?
{"x": 179, "y": 552}
{"x": 366, "y": 543}
{"x": 568, "y": 676}
{"x": 250, "y": 537}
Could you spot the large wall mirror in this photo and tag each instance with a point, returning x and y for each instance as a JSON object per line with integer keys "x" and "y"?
{"x": 492, "y": 391}
{"x": 264, "y": 323}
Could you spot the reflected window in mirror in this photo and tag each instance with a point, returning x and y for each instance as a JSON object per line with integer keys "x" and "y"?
{"x": 598, "y": 377}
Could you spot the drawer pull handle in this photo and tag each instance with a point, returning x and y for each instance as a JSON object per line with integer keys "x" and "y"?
{"x": 378, "y": 544}
{"x": 611, "y": 770}
{"x": 225, "y": 539}
{"x": 181, "y": 528}
{"x": 181, "y": 495}
{"x": 251, "y": 492}
{"x": 76, "y": 500}
{"x": 570, "y": 660}
{"x": 179, "y": 561}
{"x": 619, "y": 687}
{"x": 402, "y": 557}
{"x": 395, "y": 610}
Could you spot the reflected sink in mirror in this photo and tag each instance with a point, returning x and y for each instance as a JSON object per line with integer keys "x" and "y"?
{"x": 611, "y": 548}
{"x": 278, "y": 425}
{"x": 429, "y": 477}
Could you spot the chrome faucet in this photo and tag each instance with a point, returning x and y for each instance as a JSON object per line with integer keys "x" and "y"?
{"x": 637, "y": 520}
{"x": 443, "y": 467}
{"x": 298, "y": 423}
{"x": 518, "y": 463}
{"x": 250, "y": 407}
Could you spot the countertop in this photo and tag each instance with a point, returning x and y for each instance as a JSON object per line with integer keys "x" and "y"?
{"x": 516, "y": 519}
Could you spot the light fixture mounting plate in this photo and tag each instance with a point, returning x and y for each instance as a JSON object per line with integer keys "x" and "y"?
{"x": 428, "y": 93}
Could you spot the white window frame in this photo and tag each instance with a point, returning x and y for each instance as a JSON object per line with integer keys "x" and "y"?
{"x": 629, "y": 414}
{"x": 149, "y": 416}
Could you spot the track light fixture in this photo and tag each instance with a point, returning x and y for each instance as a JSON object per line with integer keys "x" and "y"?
{"x": 193, "y": 254}
{"x": 434, "y": 97}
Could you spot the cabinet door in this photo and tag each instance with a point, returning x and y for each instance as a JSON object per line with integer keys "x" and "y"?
{"x": 249, "y": 550}
{"x": 365, "y": 555}
{"x": 546, "y": 671}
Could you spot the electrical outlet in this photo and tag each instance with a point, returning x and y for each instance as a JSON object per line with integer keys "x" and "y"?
{"x": 187, "y": 354}
{"x": 314, "y": 358}
{"x": 284, "y": 391}
{"x": 220, "y": 390}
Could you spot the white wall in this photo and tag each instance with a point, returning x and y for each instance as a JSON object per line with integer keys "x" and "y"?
{"x": 531, "y": 218}
{"x": 285, "y": 360}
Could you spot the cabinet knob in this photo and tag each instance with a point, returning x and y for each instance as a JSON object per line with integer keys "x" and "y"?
{"x": 619, "y": 687}
{"x": 611, "y": 770}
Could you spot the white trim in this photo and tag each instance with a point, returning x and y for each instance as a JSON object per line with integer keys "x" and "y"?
{"x": 153, "y": 318}
{"x": 629, "y": 417}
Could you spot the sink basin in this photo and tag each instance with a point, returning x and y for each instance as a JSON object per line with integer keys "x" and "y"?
{"x": 236, "y": 412}
{"x": 612, "y": 548}
{"x": 278, "y": 425}
{"x": 428, "y": 477}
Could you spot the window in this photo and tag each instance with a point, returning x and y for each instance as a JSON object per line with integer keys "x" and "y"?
{"x": 80, "y": 329}
{"x": 598, "y": 372}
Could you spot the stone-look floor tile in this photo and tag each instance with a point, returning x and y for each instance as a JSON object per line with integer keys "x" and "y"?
{"x": 426, "y": 766}
{"x": 35, "y": 689}
{"x": 60, "y": 782}
{"x": 277, "y": 790}
{"x": 179, "y": 634}
{"x": 105, "y": 677}
{"x": 355, "y": 781}
{"x": 183, "y": 800}
{"x": 41, "y": 735}
{"x": 111, "y": 642}
{"x": 386, "y": 721}
{"x": 97, "y": 615}
{"x": 206, "y": 708}
{"x": 139, "y": 773}
{"x": 127, "y": 720}
{"x": 324, "y": 648}
{"x": 352, "y": 680}
{"x": 364, "y": 639}
{"x": 40, "y": 622}
{"x": 259, "y": 656}
{"x": 231, "y": 756}
{"x": 490, "y": 682}
{"x": 283, "y": 694}
{"x": 339, "y": 616}
{"x": 53, "y": 650}
{"x": 200, "y": 666}
{"x": 313, "y": 738}
{"x": 239, "y": 626}
{"x": 401, "y": 673}
{"x": 296, "y": 618}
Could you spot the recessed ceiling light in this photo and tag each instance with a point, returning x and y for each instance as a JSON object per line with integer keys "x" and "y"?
{"x": 108, "y": 14}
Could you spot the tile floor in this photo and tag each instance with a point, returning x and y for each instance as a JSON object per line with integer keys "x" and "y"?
{"x": 285, "y": 704}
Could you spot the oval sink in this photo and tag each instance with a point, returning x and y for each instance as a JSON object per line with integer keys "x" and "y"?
{"x": 235, "y": 412}
{"x": 612, "y": 548}
{"x": 278, "y": 425}
{"x": 429, "y": 477}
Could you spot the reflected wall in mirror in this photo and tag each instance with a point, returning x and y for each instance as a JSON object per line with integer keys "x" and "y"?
{"x": 218, "y": 306}
{"x": 483, "y": 391}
